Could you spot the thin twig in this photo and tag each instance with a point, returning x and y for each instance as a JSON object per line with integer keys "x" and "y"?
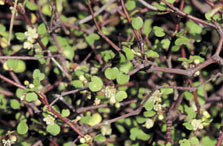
{"x": 11, "y": 82}
{"x": 151, "y": 7}
{"x": 181, "y": 13}
{"x": 12, "y": 21}
{"x": 99, "y": 11}
{"x": 100, "y": 32}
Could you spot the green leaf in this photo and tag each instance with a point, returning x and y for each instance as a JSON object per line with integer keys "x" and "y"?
{"x": 2, "y": 28}
{"x": 111, "y": 73}
{"x": 19, "y": 92}
{"x": 99, "y": 138}
{"x": 68, "y": 143}
{"x": 53, "y": 48}
{"x": 92, "y": 38}
{"x": 68, "y": 52}
{"x": 47, "y": 10}
{"x": 14, "y": 104}
{"x": 95, "y": 119}
{"x": 170, "y": 1}
{"x": 137, "y": 23}
{"x": 31, "y": 6}
{"x": 140, "y": 120}
{"x": 20, "y": 36}
{"x": 45, "y": 40}
{"x": 184, "y": 142}
{"x": 12, "y": 63}
{"x": 38, "y": 75}
{"x": 165, "y": 43}
{"x": 53, "y": 129}
{"x": 152, "y": 54}
{"x": 128, "y": 52}
{"x": 59, "y": 4}
{"x": 85, "y": 119}
{"x": 208, "y": 141}
{"x": 120, "y": 128}
{"x": 41, "y": 28}
{"x": 96, "y": 84}
{"x": 65, "y": 112}
{"x": 31, "y": 97}
{"x": 130, "y": 5}
{"x": 189, "y": 96}
{"x": 193, "y": 27}
{"x": 22, "y": 127}
{"x": 149, "y": 113}
{"x": 182, "y": 41}
{"x": 190, "y": 112}
{"x": 77, "y": 84}
{"x": 147, "y": 27}
{"x": 187, "y": 9}
{"x": 188, "y": 126}
{"x": 136, "y": 133}
{"x": 62, "y": 41}
{"x": 166, "y": 91}
{"x": 194, "y": 141}
{"x": 21, "y": 67}
{"x": 107, "y": 55}
{"x": 126, "y": 67}
{"x": 160, "y": 6}
{"x": 159, "y": 32}
{"x": 121, "y": 95}
{"x": 149, "y": 105}
{"x": 122, "y": 78}
{"x": 3, "y": 102}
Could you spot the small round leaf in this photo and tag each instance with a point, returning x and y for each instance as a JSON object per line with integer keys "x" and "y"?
{"x": 14, "y": 104}
{"x": 111, "y": 73}
{"x": 22, "y": 127}
{"x": 137, "y": 23}
{"x": 95, "y": 119}
{"x": 121, "y": 95}
{"x": 65, "y": 112}
{"x": 96, "y": 84}
{"x": 53, "y": 129}
{"x": 130, "y": 5}
{"x": 31, "y": 97}
{"x": 122, "y": 78}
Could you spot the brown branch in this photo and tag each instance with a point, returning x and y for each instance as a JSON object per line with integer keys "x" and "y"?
{"x": 220, "y": 138}
{"x": 195, "y": 19}
{"x": 84, "y": 109}
{"x": 11, "y": 82}
{"x": 100, "y": 32}
{"x": 129, "y": 114}
{"x": 130, "y": 21}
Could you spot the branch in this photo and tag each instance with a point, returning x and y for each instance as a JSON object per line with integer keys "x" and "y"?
{"x": 100, "y": 32}
{"x": 181, "y": 13}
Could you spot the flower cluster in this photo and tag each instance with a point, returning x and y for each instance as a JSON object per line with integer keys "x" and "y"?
{"x": 31, "y": 35}
{"x": 197, "y": 124}
{"x": 49, "y": 120}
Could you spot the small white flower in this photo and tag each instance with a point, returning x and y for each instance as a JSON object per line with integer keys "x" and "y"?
{"x": 88, "y": 138}
{"x": 49, "y": 120}
{"x": 156, "y": 97}
{"x": 97, "y": 101}
{"x": 110, "y": 92}
{"x": 206, "y": 114}
{"x": 27, "y": 45}
{"x": 106, "y": 130}
{"x": 196, "y": 61}
{"x": 197, "y": 124}
{"x": 2, "y": 2}
{"x": 148, "y": 124}
{"x": 157, "y": 107}
{"x": 31, "y": 33}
